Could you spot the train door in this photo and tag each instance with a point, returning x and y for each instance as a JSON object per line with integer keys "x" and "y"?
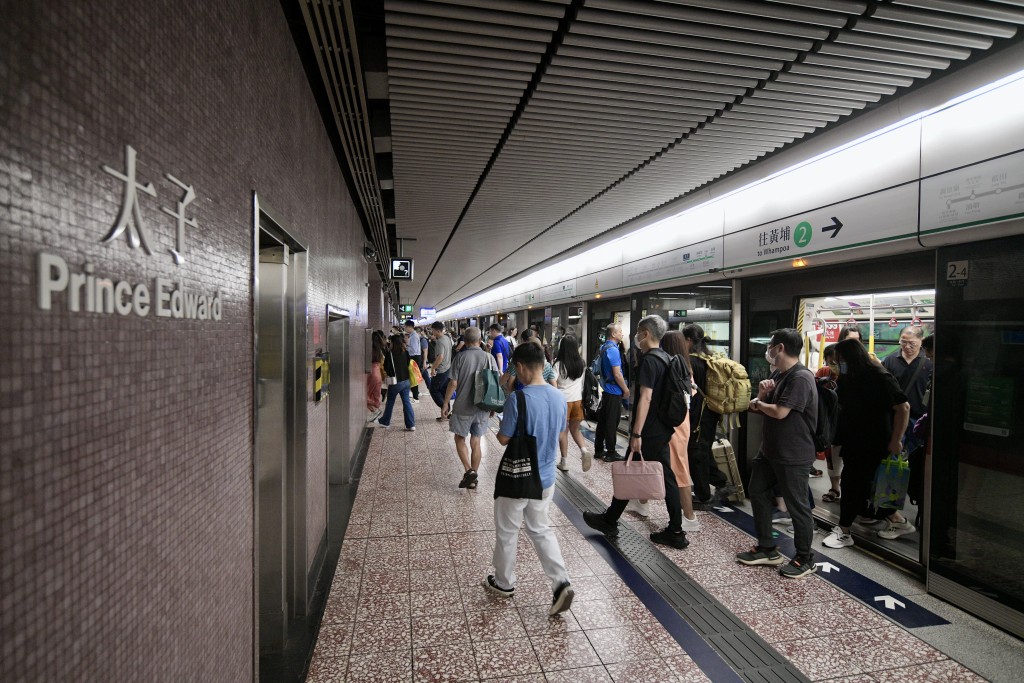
{"x": 280, "y": 432}
{"x": 976, "y": 539}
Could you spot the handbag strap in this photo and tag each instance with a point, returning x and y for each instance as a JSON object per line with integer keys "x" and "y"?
{"x": 521, "y": 414}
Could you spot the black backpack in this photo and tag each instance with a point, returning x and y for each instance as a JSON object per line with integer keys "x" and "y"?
{"x": 591, "y": 399}
{"x": 828, "y": 413}
{"x": 675, "y": 392}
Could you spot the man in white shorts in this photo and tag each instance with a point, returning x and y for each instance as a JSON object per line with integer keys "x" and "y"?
{"x": 465, "y": 419}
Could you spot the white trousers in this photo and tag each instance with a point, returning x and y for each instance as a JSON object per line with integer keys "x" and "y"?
{"x": 509, "y": 516}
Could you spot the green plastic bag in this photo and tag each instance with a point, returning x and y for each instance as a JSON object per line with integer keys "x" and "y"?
{"x": 487, "y": 392}
{"x": 891, "y": 481}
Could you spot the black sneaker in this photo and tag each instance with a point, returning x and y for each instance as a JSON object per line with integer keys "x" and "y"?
{"x": 759, "y": 555}
{"x": 596, "y": 520}
{"x": 490, "y": 585}
{"x": 562, "y": 599}
{"x": 612, "y": 456}
{"x": 670, "y": 538}
{"x": 798, "y": 568}
{"x": 722, "y": 494}
{"x": 704, "y": 506}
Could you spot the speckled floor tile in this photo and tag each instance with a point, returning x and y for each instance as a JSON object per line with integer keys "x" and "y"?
{"x": 381, "y": 636}
{"x": 380, "y": 667}
{"x": 590, "y": 674}
{"x": 444, "y": 664}
{"x": 620, "y": 644}
{"x": 504, "y": 658}
{"x": 686, "y": 670}
{"x": 571, "y": 650}
{"x": 443, "y": 601}
{"x": 642, "y": 671}
{"x": 440, "y": 629}
{"x": 945, "y": 671}
{"x": 599, "y": 614}
{"x": 659, "y": 639}
{"x": 382, "y": 606}
{"x": 537, "y": 621}
{"x": 495, "y": 625}
{"x": 335, "y": 640}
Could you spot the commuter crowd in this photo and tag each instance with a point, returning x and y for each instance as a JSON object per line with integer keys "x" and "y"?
{"x": 855, "y": 413}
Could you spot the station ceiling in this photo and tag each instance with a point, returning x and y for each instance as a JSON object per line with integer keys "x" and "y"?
{"x": 522, "y": 128}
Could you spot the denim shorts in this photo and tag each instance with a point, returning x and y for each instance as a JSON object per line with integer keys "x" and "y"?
{"x": 466, "y": 425}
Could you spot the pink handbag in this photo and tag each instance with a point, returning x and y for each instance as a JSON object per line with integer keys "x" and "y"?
{"x": 638, "y": 480}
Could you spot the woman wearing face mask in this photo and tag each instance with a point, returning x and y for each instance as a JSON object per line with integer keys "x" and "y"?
{"x": 873, "y": 418}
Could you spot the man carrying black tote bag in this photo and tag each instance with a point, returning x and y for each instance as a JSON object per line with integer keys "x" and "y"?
{"x": 532, "y": 425}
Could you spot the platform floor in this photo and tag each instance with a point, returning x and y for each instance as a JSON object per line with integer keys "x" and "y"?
{"x": 406, "y": 602}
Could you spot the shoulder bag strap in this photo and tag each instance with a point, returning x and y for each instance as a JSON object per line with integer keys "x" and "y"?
{"x": 521, "y": 416}
{"x": 914, "y": 376}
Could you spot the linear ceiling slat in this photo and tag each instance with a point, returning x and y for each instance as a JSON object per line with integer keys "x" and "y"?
{"x": 398, "y": 20}
{"x": 566, "y": 74}
{"x": 830, "y": 95}
{"x": 978, "y": 9}
{"x": 465, "y": 50}
{"x": 800, "y": 14}
{"x": 859, "y": 70}
{"x": 639, "y": 94}
{"x": 435, "y": 78}
{"x": 549, "y": 8}
{"x": 901, "y": 30}
{"x": 632, "y": 49}
{"x": 944, "y": 20}
{"x": 478, "y": 93}
{"x": 884, "y": 56}
{"x": 453, "y": 38}
{"x": 724, "y": 46}
{"x": 527, "y": 20}
{"x": 606, "y": 62}
{"x": 653, "y": 12}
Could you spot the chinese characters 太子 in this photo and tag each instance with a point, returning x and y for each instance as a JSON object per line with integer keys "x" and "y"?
{"x": 129, "y": 219}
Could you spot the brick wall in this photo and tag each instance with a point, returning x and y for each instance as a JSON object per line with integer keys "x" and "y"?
{"x": 126, "y": 550}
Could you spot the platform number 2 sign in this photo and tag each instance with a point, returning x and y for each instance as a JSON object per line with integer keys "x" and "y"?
{"x": 956, "y": 273}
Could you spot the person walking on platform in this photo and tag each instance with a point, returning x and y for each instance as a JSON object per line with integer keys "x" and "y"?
{"x": 569, "y": 370}
{"x": 500, "y": 349}
{"x": 465, "y": 420}
{"x": 673, "y": 344}
{"x": 413, "y": 348}
{"x": 788, "y": 403}
{"x": 703, "y": 423}
{"x": 649, "y": 437}
{"x": 545, "y": 422}
{"x": 615, "y": 390}
{"x": 396, "y": 365}
{"x": 872, "y": 420}
{"x": 375, "y": 380}
{"x": 441, "y": 366}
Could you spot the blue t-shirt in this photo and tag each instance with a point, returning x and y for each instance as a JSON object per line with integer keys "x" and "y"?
{"x": 610, "y": 357}
{"x": 500, "y": 345}
{"x": 545, "y": 420}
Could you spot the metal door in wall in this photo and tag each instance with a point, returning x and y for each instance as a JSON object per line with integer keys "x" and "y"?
{"x": 976, "y": 503}
{"x": 339, "y": 460}
{"x": 279, "y": 459}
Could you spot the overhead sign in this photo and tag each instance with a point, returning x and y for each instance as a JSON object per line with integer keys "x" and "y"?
{"x": 982, "y": 193}
{"x": 678, "y": 263}
{"x": 878, "y": 217}
{"x": 405, "y": 308}
{"x": 428, "y": 312}
{"x": 401, "y": 269}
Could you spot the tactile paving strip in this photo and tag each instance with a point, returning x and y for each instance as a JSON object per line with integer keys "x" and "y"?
{"x": 742, "y": 649}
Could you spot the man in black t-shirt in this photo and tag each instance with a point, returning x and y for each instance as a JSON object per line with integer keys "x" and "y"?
{"x": 649, "y": 436}
{"x": 788, "y": 402}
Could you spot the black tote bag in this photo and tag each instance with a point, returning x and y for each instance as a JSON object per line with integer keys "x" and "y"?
{"x": 518, "y": 473}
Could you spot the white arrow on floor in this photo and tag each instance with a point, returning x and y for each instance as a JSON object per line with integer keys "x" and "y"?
{"x": 890, "y": 602}
{"x": 827, "y": 567}
{"x": 721, "y": 509}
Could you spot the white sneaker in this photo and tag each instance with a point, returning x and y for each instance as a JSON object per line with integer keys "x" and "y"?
{"x": 838, "y": 539}
{"x": 588, "y": 458}
{"x": 563, "y": 465}
{"x": 896, "y": 529}
{"x": 410, "y": 429}
{"x": 691, "y": 524}
{"x": 376, "y": 423}
{"x": 414, "y": 400}
{"x": 642, "y": 509}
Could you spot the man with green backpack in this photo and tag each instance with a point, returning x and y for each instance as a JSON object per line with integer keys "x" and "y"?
{"x": 467, "y": 419}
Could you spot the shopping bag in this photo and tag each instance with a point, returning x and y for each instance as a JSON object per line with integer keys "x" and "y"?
{"x": 415, "y": 376}
{"x": 891, "y": 481}
{"x": 487, "y": 392}
{"x": 518, "y": 472}
{"x": 638, "y": 480}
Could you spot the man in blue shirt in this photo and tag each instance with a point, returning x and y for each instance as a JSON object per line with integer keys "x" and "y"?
{"x": 500, "y": 348}
{"x": 545, "y": 421}
{"x": 413, "y": 348}
{"x": 615, "y": 390}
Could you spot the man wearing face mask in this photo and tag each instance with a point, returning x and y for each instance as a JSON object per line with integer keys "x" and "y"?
{"x": 788, "y": 401}
{"x": 650, "y": 437}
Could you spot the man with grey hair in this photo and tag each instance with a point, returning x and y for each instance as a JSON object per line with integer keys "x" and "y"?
{"x": 465, "y": 419}
{"x": 912, "y": 371}
{"x": 649, "y": 436}
{"x": 615, "y": 390}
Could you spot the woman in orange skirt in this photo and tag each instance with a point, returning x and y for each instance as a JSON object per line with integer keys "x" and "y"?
{"x": 672, "y": 344}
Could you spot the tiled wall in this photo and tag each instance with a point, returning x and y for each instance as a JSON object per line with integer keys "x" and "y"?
{"x": 126, "y": 550}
